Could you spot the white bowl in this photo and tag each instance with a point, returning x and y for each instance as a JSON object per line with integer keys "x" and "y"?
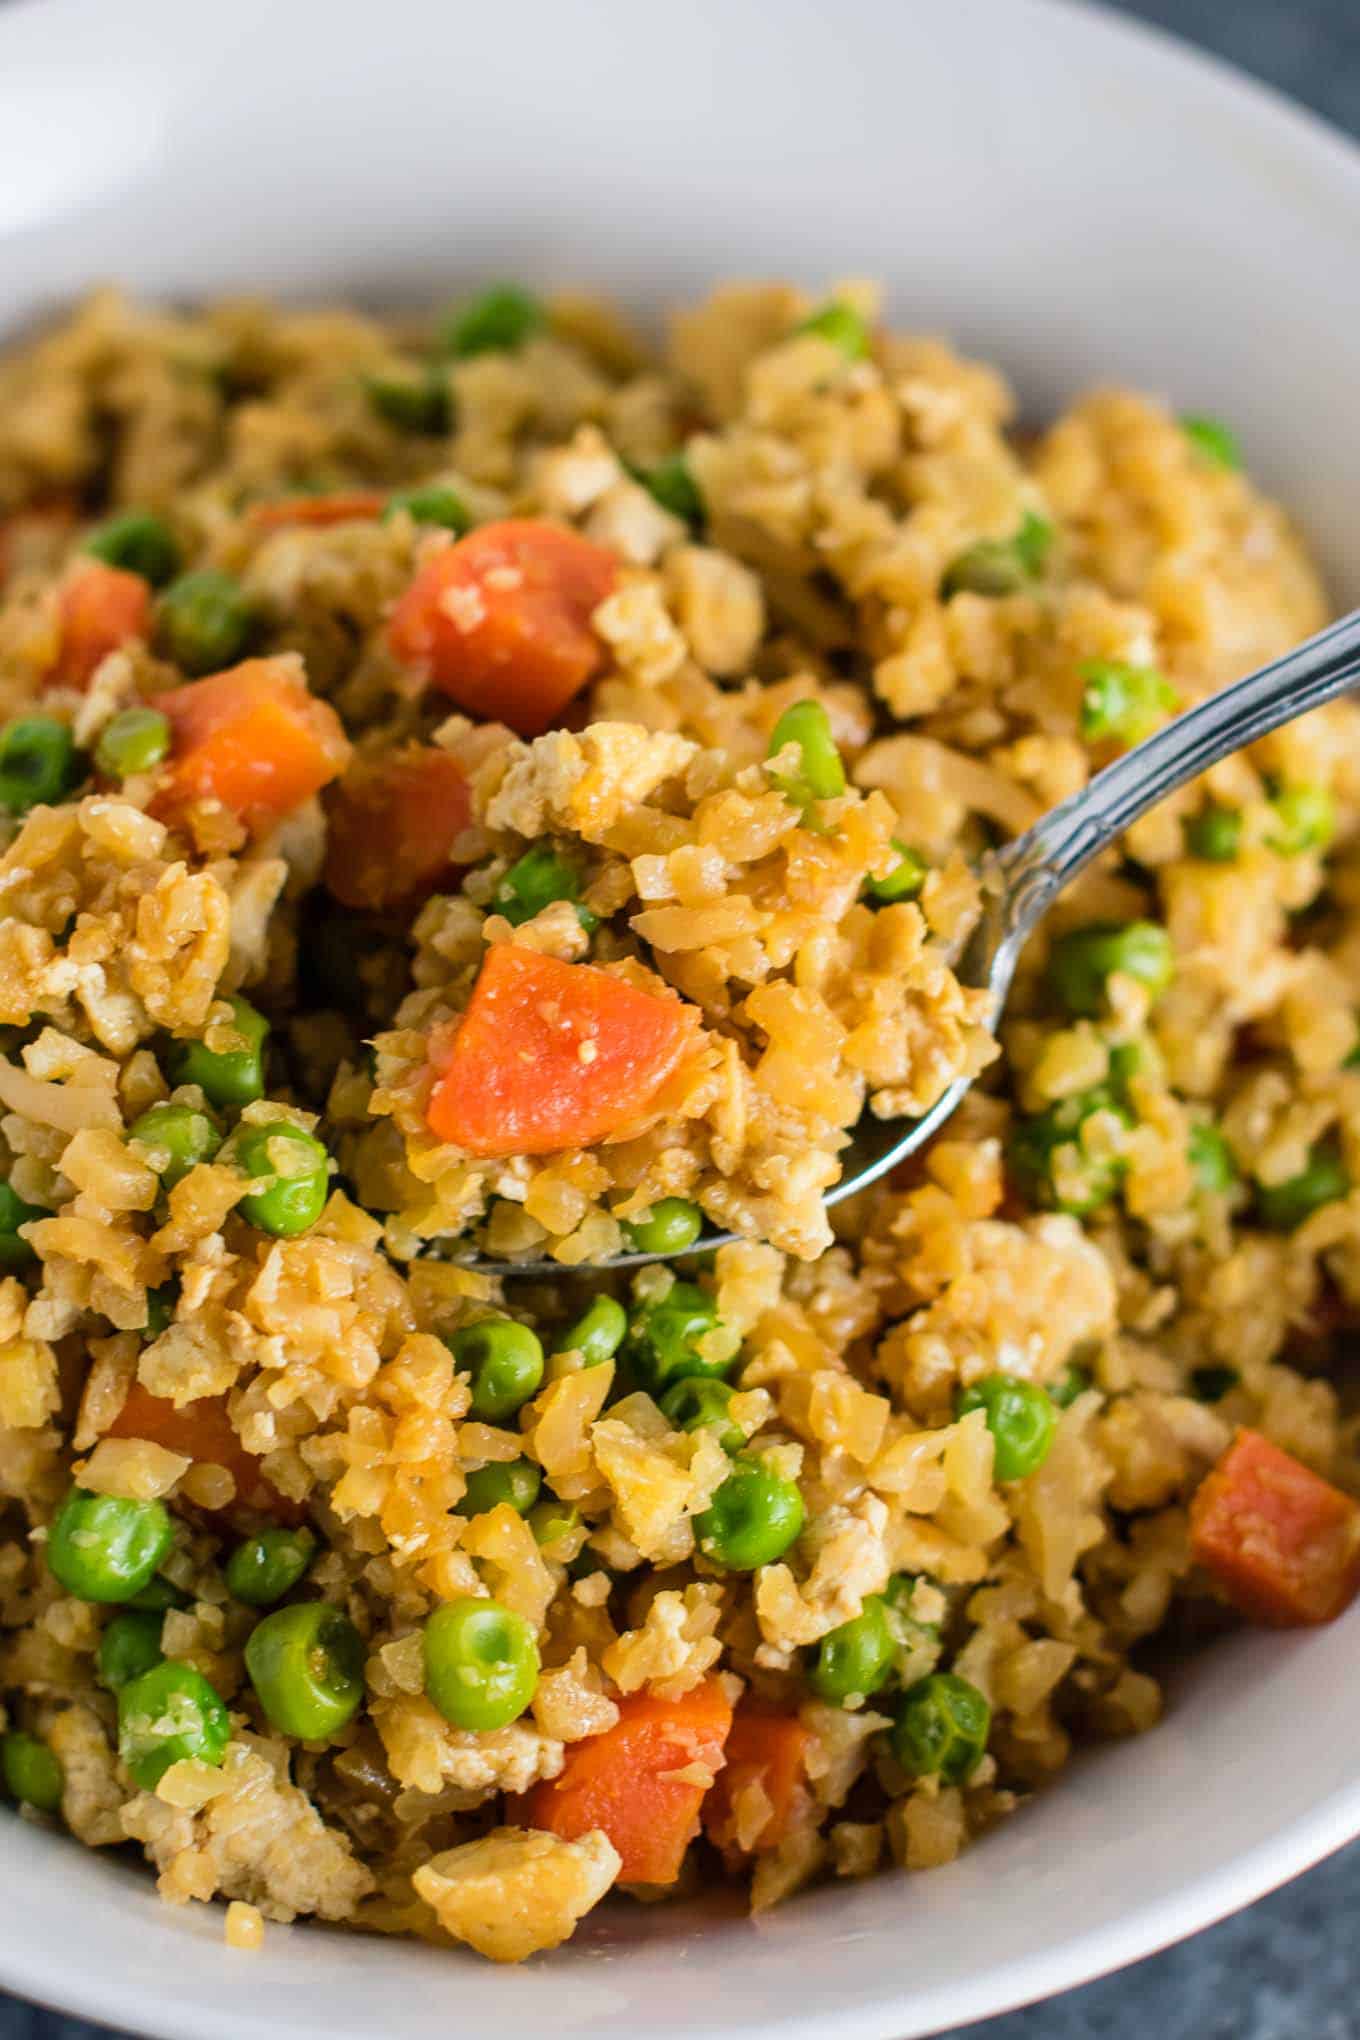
{"x": 1073, "y": 197}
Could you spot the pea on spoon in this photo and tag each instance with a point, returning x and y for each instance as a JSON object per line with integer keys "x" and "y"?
{"x": 1021, "y": 880}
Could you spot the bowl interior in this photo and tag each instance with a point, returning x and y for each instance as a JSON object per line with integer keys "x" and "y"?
{"x": 1067, "y": 196}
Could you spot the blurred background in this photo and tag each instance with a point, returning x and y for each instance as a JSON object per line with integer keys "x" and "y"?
{"x": 1289, "y": 1967}
{"x": 1309, "y": 49}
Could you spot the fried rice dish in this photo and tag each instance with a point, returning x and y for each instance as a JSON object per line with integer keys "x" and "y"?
{"x": 481, "y": 796}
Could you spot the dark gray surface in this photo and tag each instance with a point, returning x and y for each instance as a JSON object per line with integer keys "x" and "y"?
{"x": 1289, "y": 1967}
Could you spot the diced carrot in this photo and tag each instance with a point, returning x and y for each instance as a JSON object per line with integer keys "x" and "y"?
{"x": 350, "y": 506}
{"x": 392, "y": 821}
{"x": 202, "y": 1431}
{"x": 99, "y": 608}
{"x": 643, "y": 1781}
{"x": 552, "y": 1055}
{"x": 253, "y": 738}
{"x": 767, "y": 1751}
{"x": 1281, "y": 1542}
{"x": 501, "y": 620}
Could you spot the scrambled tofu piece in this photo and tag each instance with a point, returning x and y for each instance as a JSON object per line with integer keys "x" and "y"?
{"x": 585, "y": 782}
{"x": 517, "y": 1890}
{"x": 256, "y": 1837}
{"x": 427, "y": 1755}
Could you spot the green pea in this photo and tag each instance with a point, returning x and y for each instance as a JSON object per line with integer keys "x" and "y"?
{"x": 1121, "y": 701}
{"x": 444, "y": 507}
{"x": 1129, "y": 1060}
{"x": 702, "y": 1403}
{"x": 497, "y": 322}
{"x": 597, "y": 1334}
{"x": 904, "y": 881}
{"x": 1215, "y": 833}
{"x": 843, "y": 326}
{"x": 15, "y": 1251}
{"x": 176, "y": 1139}
{"x": 752, "y": 1520}
{"x": 39, "y": 764}
{"x": 1034, "y": 1146}
{"x": 32, "y": 1772}
{"x": 138, "y": 542}
{"x": 1323, "y": 1180}
{"x": 673, "y": 485}
{"x": 481, "y": 1664}
{"x": 664, "y": 1338}
{"x": 1212, "y": 441}
{"x": 233, "y": 1076}
{"x": 1002, "y": 566}
{"x": 157, "y": 1595}
{"x": 819, "y": 773}
{"x": 204, "y": 621}
{"x": 941, "y": 1728}
{"x": 1211, "y": 1384}
{"x": 168, "y": 1714}
{"x": 535, "y": 881}
{"x": 104, "y": 1547}
{"x": 1305, "y": 819}
{"x": 505, "y": 1361}
{"x": 413, "y": 403}
{"x": 129, "y": 1646}
{"x": 899, "y": 1597}
{"x": 160, "y": 1308}
{"x": 1034, "y": 540}
{"x": 134, "y": 741}
{"x": 1072, "y": 1382}
{"x": 290, "y": 1171}
{"x": 668, "y": 1227}
{"x": 516, "y": 1481}
{"x": 855, "y": 1660}
{"x": 306, "y": 1663}
{"x": 1211, "y": 1159}
{"x": 1020, "y": 1417}
{"x": 1085, "y": 959}
{"x": 265, "y": 1567}
{"x": 552, "y": 1522}
{"x": 990, "y": 567}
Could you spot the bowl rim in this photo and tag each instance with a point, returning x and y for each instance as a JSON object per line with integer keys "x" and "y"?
{"x": 1062, "y": 1965}
{"x": 1241, "y": 104}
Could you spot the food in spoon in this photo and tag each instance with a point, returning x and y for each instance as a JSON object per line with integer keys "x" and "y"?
{"x": 624, "y": 991}
{"x": 475, "y": 787}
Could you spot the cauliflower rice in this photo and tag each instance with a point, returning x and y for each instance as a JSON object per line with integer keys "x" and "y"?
{"x": 1144, "y": 1206}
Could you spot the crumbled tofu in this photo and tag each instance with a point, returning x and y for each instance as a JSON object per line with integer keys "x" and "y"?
{"x": 660, "y": 1479}
{"x": 244, "y": 1925}
{"x": 675, "y": 1645}
{"x": 631, "y": 521}
{"x": 570, "y": 1702}
{"x": 427, "y": 1755}
{"x": 719, "y": 606}
{"x": 517, "y": 1890}
{"x": 851, "y": 1561}
{"x": 585, "y": 782}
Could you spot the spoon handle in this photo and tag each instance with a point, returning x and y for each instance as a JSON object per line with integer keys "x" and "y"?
{"x": 1037, "y": 865}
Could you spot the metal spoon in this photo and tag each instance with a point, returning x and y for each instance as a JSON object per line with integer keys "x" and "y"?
{"x": 1021, "y": 881}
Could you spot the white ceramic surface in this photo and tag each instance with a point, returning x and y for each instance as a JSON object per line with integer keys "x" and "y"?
{"x": 1071, "y": 196}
